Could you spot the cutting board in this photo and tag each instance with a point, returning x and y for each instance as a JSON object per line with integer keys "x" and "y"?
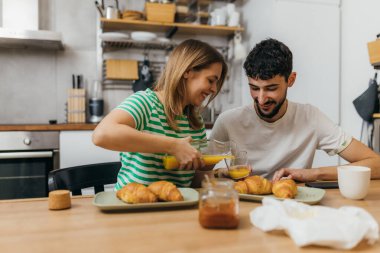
{"x": 122, "y": 69}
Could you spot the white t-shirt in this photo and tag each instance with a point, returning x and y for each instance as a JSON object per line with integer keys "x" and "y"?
{"x": 290, "y": 142}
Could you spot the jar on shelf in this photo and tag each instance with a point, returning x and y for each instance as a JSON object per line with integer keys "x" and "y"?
{"x": 218, "y": 204}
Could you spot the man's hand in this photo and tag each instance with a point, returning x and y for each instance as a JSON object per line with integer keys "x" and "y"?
{"x": 301, "y": 175}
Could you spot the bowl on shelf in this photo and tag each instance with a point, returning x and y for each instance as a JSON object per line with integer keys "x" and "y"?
{"x": 114, "y": 36}
{"x": 143, "y": 36}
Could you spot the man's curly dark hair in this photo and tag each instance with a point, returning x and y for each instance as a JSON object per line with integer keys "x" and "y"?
{"x": 267, "y": 59}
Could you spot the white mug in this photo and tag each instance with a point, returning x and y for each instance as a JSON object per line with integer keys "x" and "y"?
{"x": 230, "y": 7}
{"x": 220, "y": 16}
{"x": 112, "y": 13}
{"x": 354, "y": 181}
{"x": 234, "y": 19}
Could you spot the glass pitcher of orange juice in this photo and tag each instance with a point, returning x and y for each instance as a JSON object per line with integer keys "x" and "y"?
{"x": 213, "y": 151}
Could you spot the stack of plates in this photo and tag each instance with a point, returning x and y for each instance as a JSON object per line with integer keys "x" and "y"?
{"x": 143, "y": 36}
{"x": 113, "y": 36}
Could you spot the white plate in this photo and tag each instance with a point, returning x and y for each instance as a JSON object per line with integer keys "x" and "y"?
{"x": 306, "y": 195}
{"x": 113, "y": 36}
{"x": 163, "y": 40}
{"x": 107, "y": 201}
{"x": 143, "y": 36}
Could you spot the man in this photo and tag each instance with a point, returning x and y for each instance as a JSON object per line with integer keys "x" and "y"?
{"x": 281, "y": 136}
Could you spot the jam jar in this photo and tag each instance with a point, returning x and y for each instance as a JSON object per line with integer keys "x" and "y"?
{"x": 218, "y": 204}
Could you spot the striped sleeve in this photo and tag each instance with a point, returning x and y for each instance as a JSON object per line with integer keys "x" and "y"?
{"x": 139, "y": 107}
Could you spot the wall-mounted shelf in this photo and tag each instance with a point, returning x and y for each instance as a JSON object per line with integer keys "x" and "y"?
{"x": 183, "y": 28}
{"x": 25, "y": 39}
{"x": 154, "y": 66}
{"x": 109, "y": 45}
{"x": 30, "y": 44}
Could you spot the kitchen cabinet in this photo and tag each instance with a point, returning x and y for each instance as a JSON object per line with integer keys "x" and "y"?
{"x": 170, "y": 30}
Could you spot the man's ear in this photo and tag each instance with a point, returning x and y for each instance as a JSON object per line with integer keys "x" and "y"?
{"x": 292, "y": 79}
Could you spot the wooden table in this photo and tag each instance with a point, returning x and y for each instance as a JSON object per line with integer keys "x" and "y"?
{"x": 28, "y": 226}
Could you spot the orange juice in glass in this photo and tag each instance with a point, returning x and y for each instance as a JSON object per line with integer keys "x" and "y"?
{"x": 239, "y": 167}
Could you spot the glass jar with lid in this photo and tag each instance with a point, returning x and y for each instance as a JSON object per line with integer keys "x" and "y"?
{"x": 218, "y": 204}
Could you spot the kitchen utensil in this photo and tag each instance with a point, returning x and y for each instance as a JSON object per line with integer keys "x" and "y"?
{"x": 100, "y": 10}
{"x": 73, "y": 82}
{"x": 76, "y": 105}
{"x": 213, "y": 151}
{"x": 145, "y": 78}
{"x": 96, "y": 102}
{"x": 79, "y": 81}
{"x": 96, "y": 109}
{"x": 122, "y": 69}
{"x": 117, "y": 4}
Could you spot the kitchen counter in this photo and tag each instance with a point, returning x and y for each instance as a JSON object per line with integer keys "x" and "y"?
{"x": 47, "y": 127}
{"x": 84, "y": 228}
{"x": 57, "y": 127}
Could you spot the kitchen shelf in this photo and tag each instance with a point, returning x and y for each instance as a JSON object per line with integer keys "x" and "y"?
{"x": 183, "y": 28}
{"x": 155, "y": 67}
{"x": 109, "y": 45}
{"x": 15, "y": 43}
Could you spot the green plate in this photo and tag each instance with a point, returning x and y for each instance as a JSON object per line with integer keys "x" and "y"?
{"x": 107, "y": 201}
{"x": 305, "y": 195}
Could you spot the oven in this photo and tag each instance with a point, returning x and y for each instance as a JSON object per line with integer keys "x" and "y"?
{"x": 25, "y": 161}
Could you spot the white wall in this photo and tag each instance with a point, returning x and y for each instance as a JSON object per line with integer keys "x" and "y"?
{"x": 359, "y": 25}
{"x": 311, "y": 29}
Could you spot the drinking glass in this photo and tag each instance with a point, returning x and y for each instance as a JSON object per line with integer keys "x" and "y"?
{"x": 239, "y": 167}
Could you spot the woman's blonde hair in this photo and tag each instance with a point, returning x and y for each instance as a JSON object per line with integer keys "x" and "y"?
{"x": 192, "y": 55}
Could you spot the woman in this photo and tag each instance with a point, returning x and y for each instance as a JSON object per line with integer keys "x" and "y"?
{"x": 150, "y": 124}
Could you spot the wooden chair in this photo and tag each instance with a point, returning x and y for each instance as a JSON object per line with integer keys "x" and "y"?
{"x": 79, "y": 177}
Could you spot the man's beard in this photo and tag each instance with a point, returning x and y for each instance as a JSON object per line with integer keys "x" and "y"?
{"x": 275, "y": 110}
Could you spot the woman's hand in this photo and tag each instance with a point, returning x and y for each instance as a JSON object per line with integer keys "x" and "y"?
{"x": 189, "y": 158}
{"x": 301, "y": 175}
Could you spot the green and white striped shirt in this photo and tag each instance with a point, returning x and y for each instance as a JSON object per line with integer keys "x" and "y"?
{"x": 149, "y": 116}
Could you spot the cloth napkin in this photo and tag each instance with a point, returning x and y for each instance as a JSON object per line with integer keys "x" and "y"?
{"x": 341, "y": 228}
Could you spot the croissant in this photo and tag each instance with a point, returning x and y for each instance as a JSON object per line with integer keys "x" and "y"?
{"x": 254, "y": 185}
{"x": 241, "y": 187}
{"x": 285, "y": 188}
{"x": 165, "y": 191}
{"x": 136, "y": 193}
